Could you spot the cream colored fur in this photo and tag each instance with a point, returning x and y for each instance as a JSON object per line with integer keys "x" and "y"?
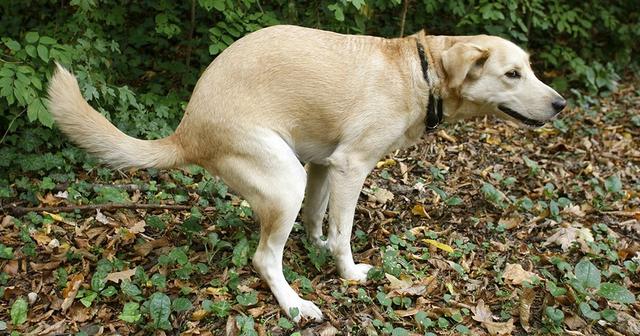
{"x": 288, "y": 94}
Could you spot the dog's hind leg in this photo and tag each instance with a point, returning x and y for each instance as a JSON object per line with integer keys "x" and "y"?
{"x": 315, "y": 202}
{"x": 266, "y": 172}
{"x": 346, "y": 177}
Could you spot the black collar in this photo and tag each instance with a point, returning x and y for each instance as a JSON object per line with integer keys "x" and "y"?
{"x": 434, "y": 106}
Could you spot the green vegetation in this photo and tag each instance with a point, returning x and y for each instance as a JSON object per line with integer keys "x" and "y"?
{"x": 537, "y": 228}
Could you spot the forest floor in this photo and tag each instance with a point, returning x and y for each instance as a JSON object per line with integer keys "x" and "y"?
{"x": 482, "y": 228}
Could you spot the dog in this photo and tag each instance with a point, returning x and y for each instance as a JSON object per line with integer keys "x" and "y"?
{"x": 285, "y": 95}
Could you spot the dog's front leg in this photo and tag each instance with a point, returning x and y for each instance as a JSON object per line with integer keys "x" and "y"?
{"x": 346, "y": 176}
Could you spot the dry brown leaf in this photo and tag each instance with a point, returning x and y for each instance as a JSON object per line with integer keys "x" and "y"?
{"x": 70, "y": 292}
{"x": 510, "y": 222}
{"x": 482, "y": 314}
{"x": 101, "y": 218}
{"x": 566, "y": 235}
{"x": 574, "y": 322}
{"x": 120, "y": 276}
{"x": 382, "y": 195}
{"x": 403, "y": 287}
{"x": 146, "y": 248}
{"x": 515, "y": 274}
{"x": 199, "y": 314}
{"x": 231, "y": 327}
{"x": 6, "y": 221}
{"x": 138, "y": 227}
{"x": 524, "y": 308}
{"x": 325, "y": 329}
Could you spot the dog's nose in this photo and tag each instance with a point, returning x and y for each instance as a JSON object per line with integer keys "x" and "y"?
{"x": 559, "y": 105}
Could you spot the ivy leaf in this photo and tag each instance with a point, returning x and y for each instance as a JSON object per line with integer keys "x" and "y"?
{"x": 613, "y": 184}
{"x": 241, "y": 253}
{"x": 587, "y": 312}
{"x": 616, "y": 293}
{"x": 19, "y": 312}
{"x": 181, "y": 304}
{"x": 247, "y": 299}
{"x": 159, "y": 310}
{"x": 587, "y": 274}
{"x": 130, "y": 312}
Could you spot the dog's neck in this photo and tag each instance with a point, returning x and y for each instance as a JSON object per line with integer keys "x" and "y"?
{"x": 453, "y": 106}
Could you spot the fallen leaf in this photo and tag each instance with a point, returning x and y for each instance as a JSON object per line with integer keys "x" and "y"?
{"x": 524, "y": 308}
{"x": 510, "y": 222}
{"x": 482, "y": 314}
{"x": 574, "y": 322}
{"x": 566, "y": 235}
{"x": 386, "y": 163}
{"x": 138, "y": 227}
{"x": 120, "y": 276}
{"x": 515, "y": 274}
{"x": 70, "y": 292}
{"x": 403, "y": 287}
{"x": 53, "y": 216}
{"x": 419, "y": 210}
{"x": 199, "y": 314}
{"x": 439, "y": 245}
{"x": 382, "y": 195}
{"x": 101, "y": 218}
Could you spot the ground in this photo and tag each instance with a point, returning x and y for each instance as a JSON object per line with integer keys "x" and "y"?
{"x": 482, "y": 228}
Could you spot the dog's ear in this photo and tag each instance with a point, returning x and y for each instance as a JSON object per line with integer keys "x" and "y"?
{"x": 460, "y": 59}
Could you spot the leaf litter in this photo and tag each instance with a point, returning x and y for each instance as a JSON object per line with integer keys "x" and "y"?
{"x": 481, "y": 228}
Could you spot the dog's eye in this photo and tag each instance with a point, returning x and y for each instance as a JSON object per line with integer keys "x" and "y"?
{"x": 513, "y": 74}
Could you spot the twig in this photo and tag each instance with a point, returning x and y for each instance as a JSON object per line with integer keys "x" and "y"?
{"x": 405, "y": 7}
{"x": 18, "y": 210}
{"x": 9, "y": 127}
{"x": 191, "y": 29}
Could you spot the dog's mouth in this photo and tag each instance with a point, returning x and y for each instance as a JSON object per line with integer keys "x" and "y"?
{"x": 520, "y": 117}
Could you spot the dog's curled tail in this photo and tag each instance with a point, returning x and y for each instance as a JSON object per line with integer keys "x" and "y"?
{"x": 92, "y": 131}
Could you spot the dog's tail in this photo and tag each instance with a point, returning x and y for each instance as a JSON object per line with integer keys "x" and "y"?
{"x": 90, "y": 130}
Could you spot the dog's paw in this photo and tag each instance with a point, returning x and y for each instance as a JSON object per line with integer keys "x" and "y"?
{"x": 358, "y": 272}
{"x": 303, "y": 309}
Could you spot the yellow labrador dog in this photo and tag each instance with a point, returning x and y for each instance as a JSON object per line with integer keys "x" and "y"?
{"x": 285, "y": 95}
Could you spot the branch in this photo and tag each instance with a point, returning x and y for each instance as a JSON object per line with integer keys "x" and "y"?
{"x": 405, "y": 7}
{"x": 18, "y": 210}
{"x": 191, "y": 29}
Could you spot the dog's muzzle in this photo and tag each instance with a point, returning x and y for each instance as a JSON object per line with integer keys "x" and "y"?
{"x": 521, "y": 118}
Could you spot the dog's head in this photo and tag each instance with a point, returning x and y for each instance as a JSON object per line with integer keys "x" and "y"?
{"x": 496, "y": 77}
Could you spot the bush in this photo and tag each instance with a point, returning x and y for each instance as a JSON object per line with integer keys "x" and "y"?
{"x": 137, "y": 62}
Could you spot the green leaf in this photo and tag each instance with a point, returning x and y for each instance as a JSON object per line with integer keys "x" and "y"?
{"x": 399, "y": 332}
{"x": 337, "y": 11}
{"x": 247, "y": 299}
{"x": 6, "y": 252}
{"x": 43, "y": 52}
{"x": 241, "y": 253}
{"x": 613, "y": 184}
{"x": 19, "y": 311}
{"x": 609, "y": 315}
{"x": 586, "y": 311}
{"x": 182, "y": 304}
{"x": 130, "y": 312}
{"x": 12, "y": 44}
{"x": 616, "y": 293}
{"x": 556, "y": 315}
{"x": 455, "y": 200}
{"x": 159, "y": 311}
{"x": 88, "y": 298}
{"x": 31, "y": 51}
{"x": 284, "y": 323}
{"x": 587, "y": 274}
{"x": 32, "y": 37}
{"x": 47, "y": 40}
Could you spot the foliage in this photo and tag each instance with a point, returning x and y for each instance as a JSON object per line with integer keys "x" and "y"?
{"x": 137, "y": 62}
